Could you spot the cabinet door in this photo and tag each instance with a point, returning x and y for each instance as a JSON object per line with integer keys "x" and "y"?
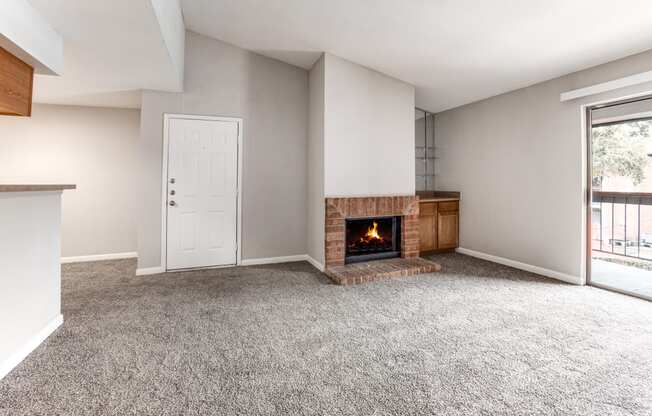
{"x": 16, "y": 78}
{"x": 427, "y": 227}
{"x": 447, "y": 230}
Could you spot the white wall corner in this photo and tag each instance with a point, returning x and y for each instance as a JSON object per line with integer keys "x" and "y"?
{"x": 575, "y": 280}
{"x": 22, "y": 353}
{"x": 27, "y": 35}
{"x": 317, "y": 265}
{"x": 173, "y": 32}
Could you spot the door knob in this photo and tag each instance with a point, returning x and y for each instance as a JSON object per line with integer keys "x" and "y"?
{"x": 172, "y": 203}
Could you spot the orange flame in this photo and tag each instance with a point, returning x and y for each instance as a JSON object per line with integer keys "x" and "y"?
{"x": 372, "y": 233}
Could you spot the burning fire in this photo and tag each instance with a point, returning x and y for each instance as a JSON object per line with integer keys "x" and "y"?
{"x": 372, "y": 234}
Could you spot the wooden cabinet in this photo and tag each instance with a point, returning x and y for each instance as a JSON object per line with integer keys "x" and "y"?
{"x": 438, "y": 225}
{"x": 427, "y": 226}
{"x": 16, "y": 80}
{"x": 447, "y": 223}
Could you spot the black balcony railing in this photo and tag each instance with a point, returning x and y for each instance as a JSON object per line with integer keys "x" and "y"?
{"x": 622, "y": 223}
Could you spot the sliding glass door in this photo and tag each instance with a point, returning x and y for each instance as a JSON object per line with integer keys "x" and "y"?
{"x": 621, "y": 197}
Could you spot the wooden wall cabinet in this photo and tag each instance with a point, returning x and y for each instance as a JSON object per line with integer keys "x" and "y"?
{"x": 438, "y": 225}
{"x": 16, "y": 81}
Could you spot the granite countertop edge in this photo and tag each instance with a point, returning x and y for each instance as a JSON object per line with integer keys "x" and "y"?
{"x": 35, "y": 187}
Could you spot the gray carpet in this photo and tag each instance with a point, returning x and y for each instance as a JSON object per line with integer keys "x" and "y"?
{"x": 475, "y": 339}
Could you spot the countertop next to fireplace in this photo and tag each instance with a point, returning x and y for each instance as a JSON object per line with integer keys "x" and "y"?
{"x": 438, "y": 196}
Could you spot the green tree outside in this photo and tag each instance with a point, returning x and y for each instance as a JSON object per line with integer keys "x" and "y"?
{"x": 620, "y": 150}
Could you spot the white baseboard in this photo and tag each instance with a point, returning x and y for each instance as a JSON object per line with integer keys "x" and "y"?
{"x": 99, "y": 257}
{"x": 15, "y": 359}
{"x": 317, "y": 265}
{"x": 273, "y": 260}
{"x": 248, "y": 262}
{"x": 150, "y": 270}
{"x": 283, "y": 259}
{"x": 522, "y": 266}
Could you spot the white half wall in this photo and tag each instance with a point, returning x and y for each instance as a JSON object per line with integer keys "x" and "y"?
{"x": 30, "y": 279}
{"x": 519, "y": 161}
{"x": 368, "y": 132}
{"x": 26, "y": 34}
{"x": 92, "y": 147}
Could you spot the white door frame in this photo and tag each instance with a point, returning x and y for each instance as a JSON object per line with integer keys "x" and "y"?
{"x": 164, "y": 181}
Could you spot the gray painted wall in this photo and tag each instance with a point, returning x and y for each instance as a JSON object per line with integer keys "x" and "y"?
{"x": 518, "y": 160}
{"x": 272, "y": 98}
{"x": 316, "y": 207}
{"x": 150, "y": 158}
{"x": 94, "y": 148}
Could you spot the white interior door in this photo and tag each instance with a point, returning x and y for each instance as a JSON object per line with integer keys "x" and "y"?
{"x": 202, "y": 193}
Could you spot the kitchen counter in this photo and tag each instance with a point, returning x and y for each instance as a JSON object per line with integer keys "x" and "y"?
{"x": 438, "y": 196}
{"x": 34, "y": 187}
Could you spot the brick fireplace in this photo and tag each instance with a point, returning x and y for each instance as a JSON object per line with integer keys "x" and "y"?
{"x": 339, "y": 210}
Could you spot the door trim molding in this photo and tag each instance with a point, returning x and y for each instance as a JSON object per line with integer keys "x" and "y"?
{"x": 164, "y": 180}
{"x": 629, "y": 81}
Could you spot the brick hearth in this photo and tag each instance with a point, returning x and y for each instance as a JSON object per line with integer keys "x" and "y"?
{"x": 339, "y": 209}
{"x": 374, "y": 271}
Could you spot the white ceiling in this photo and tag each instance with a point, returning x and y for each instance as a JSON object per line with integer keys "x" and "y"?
{"x": 453, "y": 51}
{"x": 112, "y": 50}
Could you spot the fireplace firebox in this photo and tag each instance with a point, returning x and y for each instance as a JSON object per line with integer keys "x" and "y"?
{"x": 372, "y": 239}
